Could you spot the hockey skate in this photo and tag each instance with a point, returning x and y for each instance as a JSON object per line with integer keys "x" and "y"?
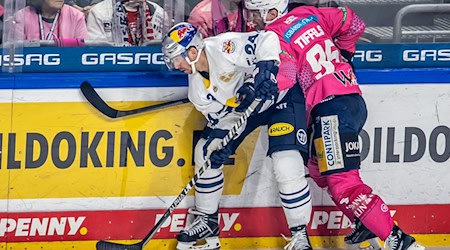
{"x": 299, "y": 239}
{"x": 399, "y": 240}
{"x": 362, "y": 238}
{"x": 202, "y": 234}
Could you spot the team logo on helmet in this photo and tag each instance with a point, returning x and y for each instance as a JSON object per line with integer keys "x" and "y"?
{"x": 228, "y": 47}
{"x": 183, "y": 34}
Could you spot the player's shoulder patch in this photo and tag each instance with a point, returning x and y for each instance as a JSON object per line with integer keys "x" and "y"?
{"x": 294, "y": 28}
{"x": 228, "y": 47}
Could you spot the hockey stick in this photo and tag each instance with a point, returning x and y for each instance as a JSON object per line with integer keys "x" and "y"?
{"x": 105, "y": 245}
{"x": 93, "y": 97}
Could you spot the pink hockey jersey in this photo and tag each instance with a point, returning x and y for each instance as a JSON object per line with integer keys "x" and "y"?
{"x": 70, "y": 24}
{"x": 311, "y": 39}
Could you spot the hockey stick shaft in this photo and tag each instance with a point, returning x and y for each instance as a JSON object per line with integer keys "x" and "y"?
{"x": 103, "y": 245}
{"x": 95, "y": 100}
{"x": 230, "y": 136}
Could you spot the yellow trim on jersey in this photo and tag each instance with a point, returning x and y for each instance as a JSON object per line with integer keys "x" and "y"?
{"x": 206, "y": 82}
{"x": 232, "y": 102}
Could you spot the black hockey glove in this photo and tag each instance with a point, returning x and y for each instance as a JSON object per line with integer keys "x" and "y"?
{"x": 266, "y": 86}
{"x": 246, "y": 96}
{"x": 217, "y": 157}
{"x": 348, "y": 56}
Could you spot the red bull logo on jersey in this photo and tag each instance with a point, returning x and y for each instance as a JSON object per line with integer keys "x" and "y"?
{"x": 228, "y": 47}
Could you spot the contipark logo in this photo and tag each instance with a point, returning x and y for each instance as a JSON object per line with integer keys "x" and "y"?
{"x": 281, "y": 128}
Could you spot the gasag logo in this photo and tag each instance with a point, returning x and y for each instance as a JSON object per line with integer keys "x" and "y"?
{"x": 426, "y": 55}
{"x": 368, "y": 55}
{"x": 91, "y": 59}
{"x": 30, "y": 59}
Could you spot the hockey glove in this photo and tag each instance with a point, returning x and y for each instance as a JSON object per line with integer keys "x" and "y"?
{"x": 246, "y": 96}
{"x": 266, "y": 86}
{"x": 217, "y": 157}
{"x": 348, "y": 56}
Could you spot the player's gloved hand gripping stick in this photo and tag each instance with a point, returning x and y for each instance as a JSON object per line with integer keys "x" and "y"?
{"x": 105, "y": 245}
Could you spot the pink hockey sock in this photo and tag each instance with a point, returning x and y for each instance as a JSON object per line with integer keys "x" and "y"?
{"x": 355, "y": 198}
{"x": 377, "y": 218}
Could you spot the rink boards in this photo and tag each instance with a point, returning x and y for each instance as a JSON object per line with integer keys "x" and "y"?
{"x": 71, "y": 176}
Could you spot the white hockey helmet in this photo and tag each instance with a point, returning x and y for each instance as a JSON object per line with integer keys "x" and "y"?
{"x": 178, "y": 40}
{"x": 264, "y": 6}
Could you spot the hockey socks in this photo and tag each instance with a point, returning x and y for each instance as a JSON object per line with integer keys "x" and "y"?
{"x": 351, "y": 194}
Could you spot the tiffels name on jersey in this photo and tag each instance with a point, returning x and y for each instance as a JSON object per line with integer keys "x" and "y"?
{"x": 41, "y": 226}
{"x": 309, "y": 35}
{"x": 297, "y": 26}
{"x": 121, "y": 58}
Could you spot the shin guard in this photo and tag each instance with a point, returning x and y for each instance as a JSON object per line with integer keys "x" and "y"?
{"x": 293, "y": 187}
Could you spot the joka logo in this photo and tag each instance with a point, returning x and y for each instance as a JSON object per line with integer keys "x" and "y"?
{"x": 281, "y": 128}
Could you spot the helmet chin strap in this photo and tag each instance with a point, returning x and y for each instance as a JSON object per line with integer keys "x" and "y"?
{"x": 192, "y": 63}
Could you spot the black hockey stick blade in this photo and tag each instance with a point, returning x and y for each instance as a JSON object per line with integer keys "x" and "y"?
{"x": 105, "y": 245}
{"x": 95, "y": 100}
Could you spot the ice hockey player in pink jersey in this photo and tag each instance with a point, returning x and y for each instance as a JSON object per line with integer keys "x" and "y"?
{"x": 317, "y": 46}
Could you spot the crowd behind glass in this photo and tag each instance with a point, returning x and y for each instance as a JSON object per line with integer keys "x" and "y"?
{"x": 122, "y": 22}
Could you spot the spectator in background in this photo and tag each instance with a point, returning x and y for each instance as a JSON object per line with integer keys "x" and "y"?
{"x": 83, "y": 5}
{"x": 2, "y": 11}
{"x": 129, "y": 23}
{"x": 49, "y": 20}
{"x": 213, "y": 17}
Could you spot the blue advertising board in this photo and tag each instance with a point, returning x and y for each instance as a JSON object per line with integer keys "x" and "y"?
{"x": 126, "y": 59}
{"x": 56, "y": 67}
